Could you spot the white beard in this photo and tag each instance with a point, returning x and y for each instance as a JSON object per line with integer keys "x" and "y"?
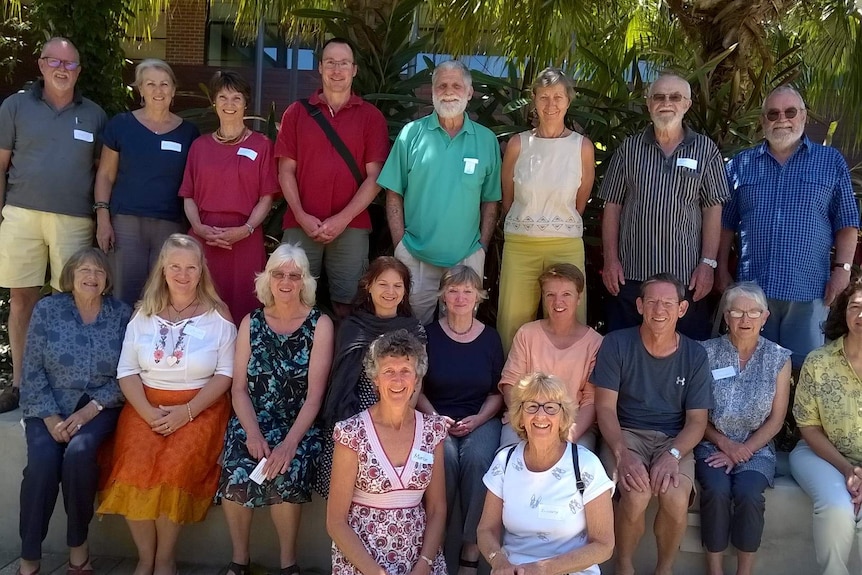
{"x": 449, "y": 109}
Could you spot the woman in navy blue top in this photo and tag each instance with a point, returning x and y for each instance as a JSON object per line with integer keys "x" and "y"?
{"x": 140, "y": 172}
{"x": 465, "y": 358}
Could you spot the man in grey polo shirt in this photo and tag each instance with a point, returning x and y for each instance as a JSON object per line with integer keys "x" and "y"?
{"x": 48, "y": 150}
{"x": 663, "y": 193}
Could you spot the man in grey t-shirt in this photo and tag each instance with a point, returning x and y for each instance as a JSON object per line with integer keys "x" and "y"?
{"x": 49, "y": 143}
{"x": 653, "y": 390}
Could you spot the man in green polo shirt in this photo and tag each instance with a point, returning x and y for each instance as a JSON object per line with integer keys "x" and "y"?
{"x": 442, "y": 183}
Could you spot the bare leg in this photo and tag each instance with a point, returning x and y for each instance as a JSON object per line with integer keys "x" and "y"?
{"x": 745, "y": 563}
{"x": 144, "y": 536}
{"x": 629, "y": 527}
{"x": 670, "y": 523}
{"x": 239, "y": 524}
{"x": 469, "y": 552}
{"x": 167, "y": 533}
{"x": 714, "y": 563}
{"x": 285, "y": 517}
{"x": 80, "y": 556}
{"x": 21, "y": 304}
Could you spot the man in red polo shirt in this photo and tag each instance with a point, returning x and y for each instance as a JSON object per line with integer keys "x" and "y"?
{"x": 328, "y": 215}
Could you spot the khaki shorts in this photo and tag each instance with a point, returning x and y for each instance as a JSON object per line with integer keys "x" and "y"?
{"x": 30, "y": 240}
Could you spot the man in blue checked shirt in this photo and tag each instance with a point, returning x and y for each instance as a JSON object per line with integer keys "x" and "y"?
{"x": 791, "y": 202}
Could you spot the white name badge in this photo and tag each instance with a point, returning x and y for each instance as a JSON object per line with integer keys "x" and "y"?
{"x": 172, "y": 146}
{"x": 420, "y": 456}
{"x": 689, "y": 163}
{"x": 723, "y": 372}
{"x": 83, "y": 135}
{"x": 257, "y": 474}
{"x": 248, "y": 153}
{"x": 552, "y": 512}
{"x": 194, "y": 331}
{"x": 470, "y": 165}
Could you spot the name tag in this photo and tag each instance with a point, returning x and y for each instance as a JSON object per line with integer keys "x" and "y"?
{"x": 420, "y": 456}
{"x": 83, "y": 135}
{"x": 470, "y": 165}
{"x": 723, "y": 372}
{"x": 257, "y": 474}
{"x": 248, "y": 153}
{"x": 552, "y": 512}
{"x": 194, "y": 331}
{"x": 172, "y": 146}
{"x": 689, "y": 163}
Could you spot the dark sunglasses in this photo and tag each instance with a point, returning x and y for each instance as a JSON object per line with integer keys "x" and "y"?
{"x": 773, "y": 115}
{"x": 676, "y": 97}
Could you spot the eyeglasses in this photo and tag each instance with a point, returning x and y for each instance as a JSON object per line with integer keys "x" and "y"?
{"x": 337, "y": 64}
{"x": 675, "y": 98}
{"x": 550, "y": 407}
{"x": 738, "y": 313}
{"x": 56, "y": 63}
{"x": 279, "y": 275}
{"x": 666, "y": 304}
{"x": 773, "y": 115}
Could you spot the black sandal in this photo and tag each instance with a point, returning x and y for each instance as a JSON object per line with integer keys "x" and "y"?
{"x": 237, "y": 569}
{"x": 468, "y": 564}
{"x": 291, "y": 570}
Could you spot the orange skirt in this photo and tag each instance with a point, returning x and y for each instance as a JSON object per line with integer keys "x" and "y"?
{"x": 174, "y": 476}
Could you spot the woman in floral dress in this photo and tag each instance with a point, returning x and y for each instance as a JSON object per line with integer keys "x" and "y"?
{"x": 283, "y": 355}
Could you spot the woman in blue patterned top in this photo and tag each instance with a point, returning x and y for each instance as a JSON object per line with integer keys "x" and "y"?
{"x": 71, "y": 402}
{"x": 736, "y": 460}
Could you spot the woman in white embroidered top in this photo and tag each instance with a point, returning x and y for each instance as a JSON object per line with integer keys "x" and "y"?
{"x": 548, "y": 174}
{"x": 175, "y": 369}
{"x": 548, "y": 508}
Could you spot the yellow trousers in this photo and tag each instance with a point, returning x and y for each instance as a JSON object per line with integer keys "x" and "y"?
{"x": 524, "y": 259}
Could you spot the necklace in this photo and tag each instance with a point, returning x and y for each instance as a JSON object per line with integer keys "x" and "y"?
{"x": 179, "y": 312}
{"x": 456, "y": 332}
{"x": 539, "y": 134}
{"x": 222, "y": 139}
{"x": 179, "y": 347}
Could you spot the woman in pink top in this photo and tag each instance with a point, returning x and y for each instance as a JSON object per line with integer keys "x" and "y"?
{"x": 228, "y": 185}
{"x": 559, "y": 345}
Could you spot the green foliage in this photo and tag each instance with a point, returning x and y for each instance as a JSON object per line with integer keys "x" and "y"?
{"x": 15, "y": 32}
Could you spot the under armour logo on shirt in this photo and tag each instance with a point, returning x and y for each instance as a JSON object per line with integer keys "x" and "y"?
{"x": 680, "y": 381}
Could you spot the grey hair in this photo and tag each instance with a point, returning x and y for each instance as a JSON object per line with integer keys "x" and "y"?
{"x": 785, "y": 89}
{"x": 453, "y": 65}
{"x": 669, "y": 75}
{"x": 153, "y": 64}
{"x": 59, "y": 40}
{"x": 551, "y": 77}
{"x": 399, "y": 343}
{"x": 664, "y": 278}
{"x": 461, "y": 275}
{"x": 743, "y": 289}
{"x": 285, "y": 254}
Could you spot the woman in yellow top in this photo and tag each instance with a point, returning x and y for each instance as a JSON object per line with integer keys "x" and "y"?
{"x": 826, "y": 463}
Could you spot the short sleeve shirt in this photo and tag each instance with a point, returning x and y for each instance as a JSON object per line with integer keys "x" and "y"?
{"x": 326, "y": 185}
{"x": 443, "y": 180}
{"x": 654, "y": 393}
{"x": 662, "y": 199}
{"x": 828, "y": 395}
{"x": 150, "y": 167}
{"x": 787, "y": 216}
{"x": 52, "y": 168}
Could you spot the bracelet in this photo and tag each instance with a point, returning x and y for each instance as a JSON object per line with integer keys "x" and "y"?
{"x": 189, "y": 409}
{"x": 250, "y": 228}
{"x": 100, "y": 206}
{"x": 426, "y": 560}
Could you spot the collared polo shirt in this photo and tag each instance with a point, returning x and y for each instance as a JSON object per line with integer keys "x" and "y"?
{"x": 53, "y": 152}
{"x": 828, "y": 396}
{"x": 787, "y": 216}
{"x": 662, "y": 199}
{"x": 326, "y": 185}
{"x": 443, "y": 180}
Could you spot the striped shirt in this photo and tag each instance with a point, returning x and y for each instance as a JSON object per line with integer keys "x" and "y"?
{"x": 787, "y": 216}
{"x": 662, "y": 199}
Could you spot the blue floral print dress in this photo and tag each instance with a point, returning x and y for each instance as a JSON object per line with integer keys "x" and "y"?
{"x": 277, "y": 384}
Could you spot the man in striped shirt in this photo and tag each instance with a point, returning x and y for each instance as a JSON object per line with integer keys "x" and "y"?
{"x": 663, "y": 194}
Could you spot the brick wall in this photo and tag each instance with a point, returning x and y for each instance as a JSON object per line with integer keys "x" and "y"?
{"x": 186, "y": 32}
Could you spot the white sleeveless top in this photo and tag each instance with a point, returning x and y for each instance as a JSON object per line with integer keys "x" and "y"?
{"x": 547, "y": 177}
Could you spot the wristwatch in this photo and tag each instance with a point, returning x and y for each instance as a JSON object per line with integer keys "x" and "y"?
{"x": 845, "y": 267}
{"x": 711, "y": 263}
{"x": 675, "y": 452}
{"x": 97, "y": 405}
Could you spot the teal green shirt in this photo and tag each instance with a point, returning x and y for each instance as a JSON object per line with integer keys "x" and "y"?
{"x": 443, "y": 181}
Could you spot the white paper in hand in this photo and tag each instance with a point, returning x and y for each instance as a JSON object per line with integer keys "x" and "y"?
{"x": 257, "y": 475}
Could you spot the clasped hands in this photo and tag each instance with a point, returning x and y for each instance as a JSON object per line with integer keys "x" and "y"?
{"x": 222, "y": 237}
{"x": 322, "y": 231}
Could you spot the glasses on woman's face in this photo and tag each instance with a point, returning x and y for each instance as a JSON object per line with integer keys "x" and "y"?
{"x": 549, "y": 407}
{"x": 279, "y": 275}
{"x": 751, "y": 313}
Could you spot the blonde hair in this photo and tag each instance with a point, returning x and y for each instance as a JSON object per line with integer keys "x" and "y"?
{"x": 156, "y": 296}
{"x": 153, "y": 64}
{"x": 531, "y": 387}
{"x": 285, "y": 254}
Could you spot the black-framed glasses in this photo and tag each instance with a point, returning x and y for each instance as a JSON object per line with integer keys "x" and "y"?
{"x": 676, "y": 97}
{"x": 549, "y": 407}
{"x": 751, "y": 313}
{"x": 69, "y": 65}
{"x": 789, "y": 113}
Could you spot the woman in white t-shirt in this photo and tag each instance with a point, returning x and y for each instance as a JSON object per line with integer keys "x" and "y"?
{"x": 548, "y": 508}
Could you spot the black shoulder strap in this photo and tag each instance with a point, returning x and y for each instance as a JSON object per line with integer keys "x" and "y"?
{"x": 580, "y": 482}
{"x": 509, "y": 456}
{"x": 334, "y": 139}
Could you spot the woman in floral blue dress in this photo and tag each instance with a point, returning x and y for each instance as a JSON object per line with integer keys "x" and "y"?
{"x": 736, "y": 460}
{"x": 283, "y": 355}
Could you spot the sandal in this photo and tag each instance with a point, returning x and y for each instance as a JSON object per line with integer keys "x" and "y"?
{"x": 468, "y": 564}
{"x": 36, "y": 572}
{"x": 291, "y": 570}
{"x": 237, "y": 569}
{"x": 81, "y": 569}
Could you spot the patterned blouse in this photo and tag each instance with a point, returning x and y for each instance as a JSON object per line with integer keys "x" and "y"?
{"x": 743, "y": 400}
{"x": 65, "y": 358}
{"x": 829, "y": 394}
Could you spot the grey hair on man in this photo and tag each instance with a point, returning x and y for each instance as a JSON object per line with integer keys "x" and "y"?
{"x": 453, "y": 65}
